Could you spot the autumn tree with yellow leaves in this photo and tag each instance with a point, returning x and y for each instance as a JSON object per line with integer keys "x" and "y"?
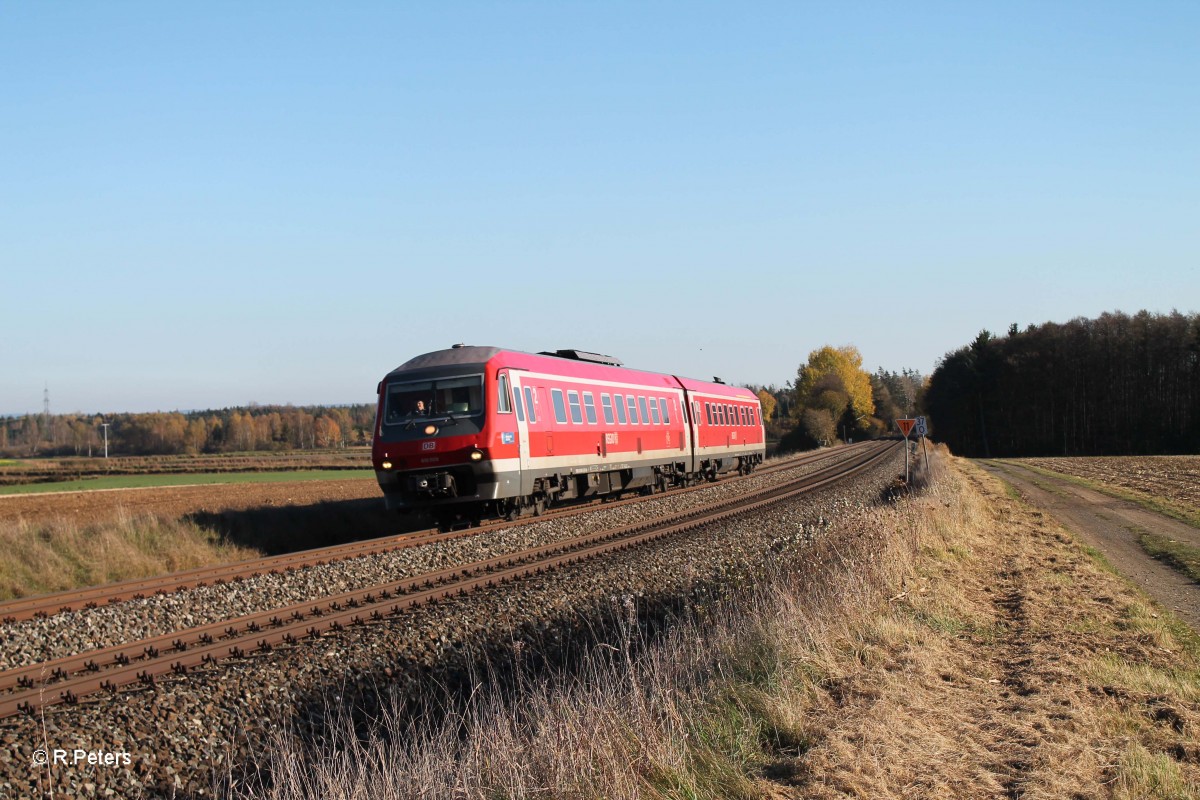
{"x": 768, "y": 402}
{"x": 833, "y": 395}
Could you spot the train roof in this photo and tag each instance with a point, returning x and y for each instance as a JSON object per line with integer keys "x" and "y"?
{"x": 575, "y": 363}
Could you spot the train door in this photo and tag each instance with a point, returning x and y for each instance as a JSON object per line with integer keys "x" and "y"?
{"x": 692, "y": 424}
{"x": 525, "y": 415}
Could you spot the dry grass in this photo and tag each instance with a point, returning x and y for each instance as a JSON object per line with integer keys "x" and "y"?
{"x": 954, "y": 645}
{"x": 55, "y": 555}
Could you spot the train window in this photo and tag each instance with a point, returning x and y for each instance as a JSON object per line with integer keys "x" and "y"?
{"x": 529, "y": 404}
{"x": 753, "y": 417}
{"x": 518, "y": 406}
{"x": 654, "y": 411}
{"x": 606, "y": 404}
{"x": 573, "y": 401}
{"x": 645, "y": 418}
{"x": 619, "y": 403}
{"x": 696, "y": 412}
{"x": 589, "y": 408}
{"x": 633, "y": 415}
{"x": 742, "y": 415}
{"x": 724, "y": 414}
{"x": 560, "y": 408}
{"x": 405, "y": 403}
{"x": 709, "y": 412}
{"x": 505, "y": 405}
{"x": 666, "y": 414}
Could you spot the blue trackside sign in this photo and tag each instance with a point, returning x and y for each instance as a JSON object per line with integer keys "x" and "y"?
{"x": 507, "y": 437}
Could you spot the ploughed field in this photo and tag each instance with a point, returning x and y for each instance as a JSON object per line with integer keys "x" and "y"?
{"x": 1175, "y": 479}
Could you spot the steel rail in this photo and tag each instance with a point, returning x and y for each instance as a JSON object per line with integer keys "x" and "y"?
{"x": 94, "y": 660}
{"x": 265, "y": 630}
{"x": 139, "y": 588}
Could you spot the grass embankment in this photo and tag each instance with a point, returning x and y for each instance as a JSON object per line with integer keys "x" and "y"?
{"x": 956, "y": 644}
{"x": 146, "y": 481}
{"x": 41, "y": 557}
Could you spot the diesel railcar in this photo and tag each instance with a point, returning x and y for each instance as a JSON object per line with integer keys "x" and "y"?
{"x": 473, "y": 431}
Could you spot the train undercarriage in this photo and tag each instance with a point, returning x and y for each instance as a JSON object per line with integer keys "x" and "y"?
{"x": 443, "y": 497}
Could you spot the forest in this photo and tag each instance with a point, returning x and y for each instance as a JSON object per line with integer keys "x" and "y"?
{"x": 175, "y": 432}
{"x": 1115, "y": 385}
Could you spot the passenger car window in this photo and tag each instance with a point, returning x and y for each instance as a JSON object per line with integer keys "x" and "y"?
{"x": 708, "y": 412}
{"x": 606, "y": 405}
{"x": 560, "y": 408}
{"x": 573, "y": 402}
{"x": 518, "y": 406}
{"x": 529, "y": 404}
{"x": 620, "y": 403}
{"x": 589, "y": 408}
{"x": 666, "y": 414}
{"x": 654, "y": 411}
{"x": 633, "y": 415}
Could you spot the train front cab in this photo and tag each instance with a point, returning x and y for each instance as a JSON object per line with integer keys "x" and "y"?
{"x": 437, "y": 448}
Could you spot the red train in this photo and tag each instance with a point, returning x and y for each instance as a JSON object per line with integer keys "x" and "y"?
{"x": 472, "y": 431}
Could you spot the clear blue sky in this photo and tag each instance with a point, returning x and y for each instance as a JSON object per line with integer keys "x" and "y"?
{"x": 208, "y": 204}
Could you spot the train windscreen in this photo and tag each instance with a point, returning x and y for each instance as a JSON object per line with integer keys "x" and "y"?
{"x": 440, "y": 397}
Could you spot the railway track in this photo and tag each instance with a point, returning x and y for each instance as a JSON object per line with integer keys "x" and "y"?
{"x": 71, "y": 678}
{"x": 92, "y": 597}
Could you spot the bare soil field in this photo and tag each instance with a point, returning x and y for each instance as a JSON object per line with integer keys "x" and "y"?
{"x": 178, "y": 501}
{"x": 1173, "y": 479}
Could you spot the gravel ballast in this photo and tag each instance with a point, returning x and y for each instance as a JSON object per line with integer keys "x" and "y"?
{"x": 186, "y": 733}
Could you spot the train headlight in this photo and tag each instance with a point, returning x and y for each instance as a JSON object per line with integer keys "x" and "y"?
{"x": 386, "y": 465}
{"x": 430, "y": 430}
{"x": 477, "y": 455}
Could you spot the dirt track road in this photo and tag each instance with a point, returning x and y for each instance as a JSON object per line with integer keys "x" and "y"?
{"x": 1112, "y": 527}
